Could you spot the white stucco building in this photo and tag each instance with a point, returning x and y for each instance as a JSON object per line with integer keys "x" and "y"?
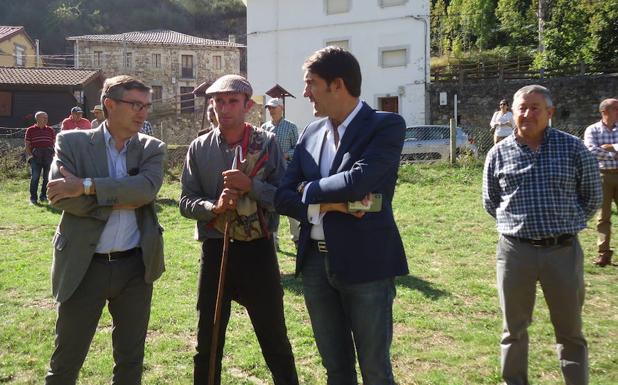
{"x": 390, "y": 39}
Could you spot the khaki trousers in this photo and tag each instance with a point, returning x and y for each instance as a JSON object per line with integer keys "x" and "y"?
{"x": 559, "y": 270}
{"x": 609, "y": 182}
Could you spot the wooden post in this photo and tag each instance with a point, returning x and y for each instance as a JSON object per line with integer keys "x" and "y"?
{"x": 453, "y": 140}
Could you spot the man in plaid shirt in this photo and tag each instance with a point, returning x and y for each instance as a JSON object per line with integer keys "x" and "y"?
{"x": 601, "y": 139}
{"x": 541, "y": 185}
{"x": 286, "y": 134}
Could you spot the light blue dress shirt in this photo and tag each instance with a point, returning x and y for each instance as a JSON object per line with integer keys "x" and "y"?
{"x": 121, "y": 231}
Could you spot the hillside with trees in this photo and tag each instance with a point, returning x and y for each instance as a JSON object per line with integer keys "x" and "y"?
{"x": 552, "y": 33}
{"x": 52, "y": 21}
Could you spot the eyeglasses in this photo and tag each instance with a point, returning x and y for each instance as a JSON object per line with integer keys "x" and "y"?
{"x": 136, "y": 106}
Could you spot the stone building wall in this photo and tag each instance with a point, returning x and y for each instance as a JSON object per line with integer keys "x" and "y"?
{"x": 181, "y": 129}
{"x": 576, "y": 98}
{"x": 168, "y": 75}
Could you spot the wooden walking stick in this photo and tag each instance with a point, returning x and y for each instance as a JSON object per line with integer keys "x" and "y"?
{"x": 217, "y": 319}
{"x": 221, "y": 286}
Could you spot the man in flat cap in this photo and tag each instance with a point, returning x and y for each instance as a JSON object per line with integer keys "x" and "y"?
{"x": 99, "y": 116}
{"x": 75, "y": 121}
{"x": 231, "y": 174}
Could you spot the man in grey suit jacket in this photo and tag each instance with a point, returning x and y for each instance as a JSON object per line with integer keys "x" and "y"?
{"x": 108, "y": 247}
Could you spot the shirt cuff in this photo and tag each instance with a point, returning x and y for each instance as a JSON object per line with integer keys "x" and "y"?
{"x": 304, "y": 198}
{"x": 615, "y": 147}
{"x": 313, "y": 214}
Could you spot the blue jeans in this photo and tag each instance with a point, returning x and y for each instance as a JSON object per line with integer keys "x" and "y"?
{"x": 348, "y": 319}
{"x": 37, "y": 168}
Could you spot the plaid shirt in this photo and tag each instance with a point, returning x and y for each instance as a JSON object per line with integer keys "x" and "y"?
{"x": 286, "y": 134}
{"x": 146, "y": 128}
{"x": 598, "y": 134}
{"x": 544, "y": 193}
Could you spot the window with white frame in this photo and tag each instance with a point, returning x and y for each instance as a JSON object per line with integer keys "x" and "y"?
{"x": 393, "y": 57}
{"x": 336, "y": 6}
{"x": 156, "y": 60}
{"x": 216, "y": 62}
{"x": 20, "y": 56}
{"x": 128, "y": 60}
{"x": 345, "y": 44}
{"x": 391, "y": 3}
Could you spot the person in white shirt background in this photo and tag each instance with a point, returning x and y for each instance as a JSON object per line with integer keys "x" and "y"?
{"x": 502, "y": 122}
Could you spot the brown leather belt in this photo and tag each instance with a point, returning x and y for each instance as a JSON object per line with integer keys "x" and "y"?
{"x": 563, "y": 239}
{"x": 609, "y": 171}
{"x": 115, "y": 255}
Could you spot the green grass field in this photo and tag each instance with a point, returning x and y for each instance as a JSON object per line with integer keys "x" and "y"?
{"x": 447, "y": 318}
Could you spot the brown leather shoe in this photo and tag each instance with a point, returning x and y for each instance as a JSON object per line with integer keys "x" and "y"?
{"x": 603, "y": 260}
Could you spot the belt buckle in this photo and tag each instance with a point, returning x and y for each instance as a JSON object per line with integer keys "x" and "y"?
{"x": 322, "y": 247}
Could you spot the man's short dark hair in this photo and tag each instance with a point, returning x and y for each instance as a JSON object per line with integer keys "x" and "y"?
{"x": 114, "y": 88}
{"x": 335, "y": 62}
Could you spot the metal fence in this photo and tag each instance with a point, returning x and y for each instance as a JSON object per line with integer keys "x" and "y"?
{"x": 444, "y": 143}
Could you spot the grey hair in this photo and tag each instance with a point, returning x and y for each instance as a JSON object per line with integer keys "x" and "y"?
{"x": 606, "y": 103}
{"x": 534, "y": 89}
{"x": 39, "y": 113}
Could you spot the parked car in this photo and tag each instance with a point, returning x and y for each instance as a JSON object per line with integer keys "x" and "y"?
{"x": 432, "y": 143}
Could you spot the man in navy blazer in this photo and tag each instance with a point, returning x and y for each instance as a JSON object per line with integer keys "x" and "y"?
{"x": 347, "y": 259}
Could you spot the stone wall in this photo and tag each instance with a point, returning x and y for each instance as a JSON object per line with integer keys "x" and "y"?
{"x": 181, "y": 129}
{"x": 576, "y": 98}
{"x": 165, "y": 74}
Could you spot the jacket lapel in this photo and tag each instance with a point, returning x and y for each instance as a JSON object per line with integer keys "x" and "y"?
{"x": 351, "y": 132}
{"x": 99, "y": 152}
{"x": 134, "y": 154}
{"x": 316, "y": 145}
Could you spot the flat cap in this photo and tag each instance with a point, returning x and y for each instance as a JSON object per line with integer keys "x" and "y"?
{"x": 274, "y": 102}
{"x": 230, "y": 83}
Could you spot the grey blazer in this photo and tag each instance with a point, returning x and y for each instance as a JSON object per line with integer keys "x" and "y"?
{"x": 83, "y": 153}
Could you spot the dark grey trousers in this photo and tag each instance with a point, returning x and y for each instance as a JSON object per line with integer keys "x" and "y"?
{"x": 560, "y": 272}
{"x": 121, "y": 284}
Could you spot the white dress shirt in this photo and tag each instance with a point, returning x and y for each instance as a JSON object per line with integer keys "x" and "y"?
{"x": 121, "y": 232}
{"x": 329, "y": 150}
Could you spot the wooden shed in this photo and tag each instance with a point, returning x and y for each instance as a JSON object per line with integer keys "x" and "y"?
{"x": 24, "y": 91}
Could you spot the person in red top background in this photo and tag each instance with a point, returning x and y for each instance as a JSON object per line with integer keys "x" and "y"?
{"x": 39, "y": 141}
{"x": 75, "y": 120}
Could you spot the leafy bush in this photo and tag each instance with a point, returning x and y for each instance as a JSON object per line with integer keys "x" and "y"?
{"x": 12, "y": 163}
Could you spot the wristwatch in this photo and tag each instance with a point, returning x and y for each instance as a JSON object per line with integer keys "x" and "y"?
{"x": 87, "y": 182}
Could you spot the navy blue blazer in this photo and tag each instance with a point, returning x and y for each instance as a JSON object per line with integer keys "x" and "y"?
{"x": 367, "y": 161}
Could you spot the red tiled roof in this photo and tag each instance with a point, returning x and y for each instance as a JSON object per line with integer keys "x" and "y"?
{"x": 7, "y": 31}
{"x": 156, "y": 36}
{"x": 46, "y": 76}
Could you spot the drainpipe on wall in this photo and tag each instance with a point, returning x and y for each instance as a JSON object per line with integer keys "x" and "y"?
{"x": 425, "y": 77}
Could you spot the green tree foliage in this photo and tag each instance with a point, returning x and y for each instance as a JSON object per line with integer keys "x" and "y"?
{"x": 469, "y": 24}
{"x": 453, "y": 29}
{"x": 603, "y": 43}
{"x": 439, "y": 37}
{"x": 566, "y": 37}
{"x": 478, "y": 22}
{"x": 52, "y": 21}
{"x": 518, "y": 23}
